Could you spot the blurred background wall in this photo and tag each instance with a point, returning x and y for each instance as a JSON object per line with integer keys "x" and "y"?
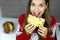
{"x": 13, "y": 8}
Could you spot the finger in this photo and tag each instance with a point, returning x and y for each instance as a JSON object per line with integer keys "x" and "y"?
{"x": 42, "y": 32}
{"x": 32, "y": 29}
{"x": 28, "y": 25}
{"x": 29, "y": 30}
{"x": 43, "y": 29}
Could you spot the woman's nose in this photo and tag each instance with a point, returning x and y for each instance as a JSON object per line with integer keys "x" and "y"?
{"x": 36, "y": 9}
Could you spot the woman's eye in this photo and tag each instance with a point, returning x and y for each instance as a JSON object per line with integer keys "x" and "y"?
{"x": 32, "y": 4}
{"x": 41, "y": 5}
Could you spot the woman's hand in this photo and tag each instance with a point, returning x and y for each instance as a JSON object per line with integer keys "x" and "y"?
{"x": 42, "y": 31}
{"x": 29, "y": 28}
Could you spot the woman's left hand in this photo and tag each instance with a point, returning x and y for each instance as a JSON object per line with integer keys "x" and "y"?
{"x": 42, "y": 31}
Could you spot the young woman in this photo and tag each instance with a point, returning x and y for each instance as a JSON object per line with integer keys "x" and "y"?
{"x": 27, "y": 31}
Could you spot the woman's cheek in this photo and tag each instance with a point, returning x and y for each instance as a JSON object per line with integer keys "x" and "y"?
{"x": 32, "y": 9}
{"x": 42, "y": 10}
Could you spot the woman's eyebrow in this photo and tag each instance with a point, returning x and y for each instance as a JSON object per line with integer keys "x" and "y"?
{"x": 42, "y": 3}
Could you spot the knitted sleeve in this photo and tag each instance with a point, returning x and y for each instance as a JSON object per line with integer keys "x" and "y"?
{"x": 53, "y": 26}
{"x": 21, "y": 35}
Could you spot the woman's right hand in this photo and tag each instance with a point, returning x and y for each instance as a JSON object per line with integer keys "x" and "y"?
{"x": 29, "y": 28}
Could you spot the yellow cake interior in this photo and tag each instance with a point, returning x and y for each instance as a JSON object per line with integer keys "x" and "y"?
{"x": 35, "y": 21}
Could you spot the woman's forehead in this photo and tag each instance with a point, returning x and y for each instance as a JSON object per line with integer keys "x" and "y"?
{"x": 38, "y": 1}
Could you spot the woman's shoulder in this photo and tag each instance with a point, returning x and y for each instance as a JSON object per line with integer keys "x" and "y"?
{"x": 53, "y": 23}
{"x": 21, "y": 15}
{"x": 21, "y": 18}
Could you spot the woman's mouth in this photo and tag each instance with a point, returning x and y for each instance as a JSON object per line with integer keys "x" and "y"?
{"x": 36, "y": 14}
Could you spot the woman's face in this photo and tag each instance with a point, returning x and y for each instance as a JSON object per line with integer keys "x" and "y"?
{"x": 38, "y": 7}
